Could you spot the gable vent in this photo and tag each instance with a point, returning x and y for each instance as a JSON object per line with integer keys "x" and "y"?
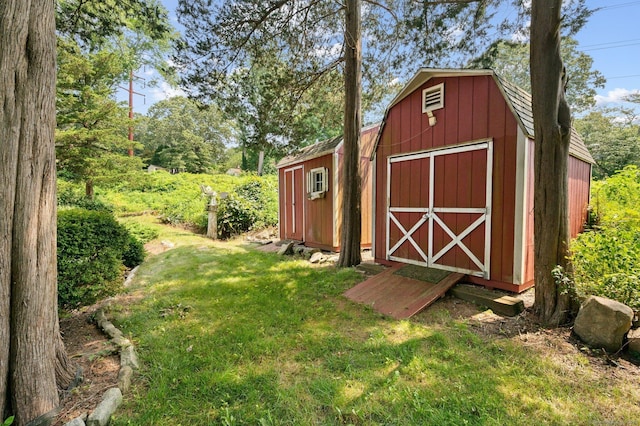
{"x": 433, "y": 98}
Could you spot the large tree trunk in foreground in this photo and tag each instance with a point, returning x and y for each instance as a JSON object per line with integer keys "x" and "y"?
{"x": 31, "y": 350}
{"x": 552, "y": 118}
{"x": 351, "y": 183}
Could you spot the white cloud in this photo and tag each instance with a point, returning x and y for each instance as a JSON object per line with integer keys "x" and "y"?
{"x": 614, "y": 96}
{"x": 165, "y": 91}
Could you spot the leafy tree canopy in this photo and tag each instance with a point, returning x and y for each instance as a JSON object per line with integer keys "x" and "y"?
{"x": 288, "y": 44}
{"x": 91, "y": 139}
{"x": 178, "y": 133}
{"x": 511, "y": 60}
{"x": 613, "y": 138}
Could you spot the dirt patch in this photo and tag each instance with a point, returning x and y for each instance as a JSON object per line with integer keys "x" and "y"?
{"x": 91, "y": 350}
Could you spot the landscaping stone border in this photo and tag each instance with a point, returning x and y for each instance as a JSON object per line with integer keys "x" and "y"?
{"x": 112, "y": 398}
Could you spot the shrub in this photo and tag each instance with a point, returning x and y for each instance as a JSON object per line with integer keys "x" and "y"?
{"x": 607, "y": 263}
{"x": 92, "y": 246}
{"x": 134, "y": 253}
{"x": 235, "y": 215}
{"x": 606, "y": 260}
{"x": 252, "y": 205}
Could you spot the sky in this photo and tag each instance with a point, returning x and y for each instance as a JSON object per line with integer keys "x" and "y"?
{"x": 611, "y": 37}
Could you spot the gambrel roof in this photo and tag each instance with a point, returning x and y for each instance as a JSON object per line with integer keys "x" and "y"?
{"x": 518, "y": 100}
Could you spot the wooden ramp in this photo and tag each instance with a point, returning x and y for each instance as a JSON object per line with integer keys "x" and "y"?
{"x": 405, "y": 291}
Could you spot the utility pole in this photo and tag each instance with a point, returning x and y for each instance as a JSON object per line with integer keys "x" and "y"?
{"x": 131, "y": 92}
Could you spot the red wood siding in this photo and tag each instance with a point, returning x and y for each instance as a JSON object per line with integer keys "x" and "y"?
{"x": 474, "y": 109}
{"x": 579, "y": 188}
{"x": 291, "y": 203}
{"x": 319, "y": 213}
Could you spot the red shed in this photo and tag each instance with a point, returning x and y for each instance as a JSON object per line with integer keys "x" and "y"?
{"x": 310, "y": 195}
{"x": 453, "y": 178}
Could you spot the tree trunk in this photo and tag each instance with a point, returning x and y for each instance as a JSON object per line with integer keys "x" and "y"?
{"x": 88, "y": 189}
{"x": 552, "y": 118}
{"x": 351, "y": 181}
{"x": 260, "y": 162}
{"x": 31, "y": 349}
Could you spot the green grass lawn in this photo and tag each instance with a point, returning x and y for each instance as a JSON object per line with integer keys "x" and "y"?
{"x": 233, "y": 336}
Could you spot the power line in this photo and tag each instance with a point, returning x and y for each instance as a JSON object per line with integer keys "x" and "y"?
{"x": 617, "y": 6}
{"x": 623, "y": 76}
{"x": 611, "y": 47}
{"x": 611, "y": 42}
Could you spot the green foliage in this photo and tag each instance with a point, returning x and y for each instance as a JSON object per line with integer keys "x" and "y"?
{"x": 93, "y": 22}
{"x": 134, "y": 252}
{"x": 235, "y": 215}
{"x": 91, "y": 137}
{"x": 8, "y": 421}
{"x": 71, "y": 195}
{"x": 606, "y": 259}
{"x": 141, "y": 232}
{"x": 180, "y": 134}
{"x": 613, "y": 138}
{"x": 178, "y": 200}
{"x": 252, "y": 205}
{"x": 92, "y": 247}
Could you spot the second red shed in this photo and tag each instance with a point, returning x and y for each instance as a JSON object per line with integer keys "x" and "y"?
{"x": 310, "y": 192}
{"x": 453, "y": 178}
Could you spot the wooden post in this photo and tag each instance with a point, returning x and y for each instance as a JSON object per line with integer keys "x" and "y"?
{"x": 212, "y": 225}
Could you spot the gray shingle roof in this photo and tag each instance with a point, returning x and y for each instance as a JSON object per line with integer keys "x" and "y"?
{"x": 318, "y": 149}
{"x": 520, "y": 101}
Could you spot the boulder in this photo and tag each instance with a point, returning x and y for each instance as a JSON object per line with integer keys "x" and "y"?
{"x": 634, "y": 341}
{"x": 309, "y": 251}
{"x": 318, "y": 257}
{"x": 286, "y": 248}
{"x": 603, "y": 323}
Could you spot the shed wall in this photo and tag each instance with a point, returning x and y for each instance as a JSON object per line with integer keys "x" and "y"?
{"x": 319, "y": 213}
{"x": 579, "y": 174}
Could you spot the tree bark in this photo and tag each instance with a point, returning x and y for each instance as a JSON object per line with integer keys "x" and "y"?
{"x": 351, "y": 180}
{"x": 31, "y": 348}
{"x": 552, "y": 118}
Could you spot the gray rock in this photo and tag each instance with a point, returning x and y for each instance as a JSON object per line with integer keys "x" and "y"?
{"x": 121, "y": 342}
{"x": 78, "y": 421}
{"x": 603, "y": 323}
{"x": 286, "y": 248}
{"x": 124, "y": 378}
{"x": 132, "y": 274}
{"x": 634, "y": 341}
{"x": 309, "y": 251}
{"x": 129, "y": 358}
{"x": 103, "y": 412}
{"x": 111, "y": 330}
{"x": 298, "y": 249}
{"x": 318, "y": 257}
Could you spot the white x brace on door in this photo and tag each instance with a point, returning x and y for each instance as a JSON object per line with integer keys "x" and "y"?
{"x": 408, "y": 219}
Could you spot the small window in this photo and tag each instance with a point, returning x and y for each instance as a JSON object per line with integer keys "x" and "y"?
{"x": 433, "y": 98}
{"x": 317, "y": 183}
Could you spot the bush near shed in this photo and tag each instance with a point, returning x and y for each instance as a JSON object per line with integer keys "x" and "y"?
{"x": 252, "y": 205}
{"x": 606, "y": 259}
